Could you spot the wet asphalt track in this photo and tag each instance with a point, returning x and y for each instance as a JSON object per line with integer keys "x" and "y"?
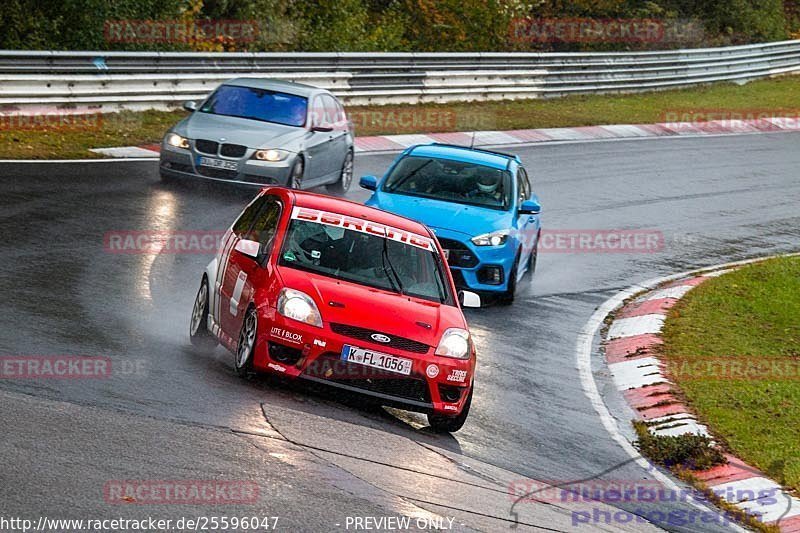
{"x": 714, "y": 199}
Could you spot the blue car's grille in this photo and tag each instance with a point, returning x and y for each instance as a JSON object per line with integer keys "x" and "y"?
{"x": 458, "y": 254}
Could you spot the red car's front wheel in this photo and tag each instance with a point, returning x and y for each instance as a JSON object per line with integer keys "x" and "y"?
{"x": 450, "y": 424}
{"x": 247, "y": 344}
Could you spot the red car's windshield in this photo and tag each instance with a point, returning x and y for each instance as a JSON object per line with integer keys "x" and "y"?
{"x": 358, "y": 256}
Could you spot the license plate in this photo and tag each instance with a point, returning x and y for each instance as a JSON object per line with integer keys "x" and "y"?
{"x": 387, "y": 362}
{"x": 217, "y": 163}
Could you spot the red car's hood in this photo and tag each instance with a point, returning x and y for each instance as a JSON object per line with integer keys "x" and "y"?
{"x": 375, "y": 309}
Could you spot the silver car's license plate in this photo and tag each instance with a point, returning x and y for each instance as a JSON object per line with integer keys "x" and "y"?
{"x": 217, "y": 163}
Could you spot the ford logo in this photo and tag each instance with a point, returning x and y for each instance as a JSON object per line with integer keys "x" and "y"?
{"x": 377, "y": 337}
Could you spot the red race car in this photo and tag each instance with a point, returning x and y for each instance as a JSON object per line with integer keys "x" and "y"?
{"x": 319, "y": 288}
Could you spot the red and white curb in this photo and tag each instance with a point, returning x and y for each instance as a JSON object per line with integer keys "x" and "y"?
{"x": 631, "y": 351}
{"x": 396, "y": 143}
{"x": 580, "y": 134}
{"x": 123, "y": 152}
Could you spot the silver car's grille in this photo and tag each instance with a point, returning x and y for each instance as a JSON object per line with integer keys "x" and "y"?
{"x": 206, "y": 146}
{"x": 233, "y": 150}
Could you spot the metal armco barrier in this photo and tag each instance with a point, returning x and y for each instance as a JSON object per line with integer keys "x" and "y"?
{"x": 150, "y": 80}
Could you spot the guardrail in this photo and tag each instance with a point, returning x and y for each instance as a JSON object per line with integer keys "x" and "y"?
{"x": 142, "y": 80}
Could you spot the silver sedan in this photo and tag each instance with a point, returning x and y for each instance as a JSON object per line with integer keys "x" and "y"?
{"x": 263, "y": 132}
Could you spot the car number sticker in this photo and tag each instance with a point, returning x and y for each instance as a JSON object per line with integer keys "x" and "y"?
{"x": 237, "y": 292}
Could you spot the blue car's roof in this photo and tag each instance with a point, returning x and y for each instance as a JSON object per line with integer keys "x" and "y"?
{"x": 464, "y": 154}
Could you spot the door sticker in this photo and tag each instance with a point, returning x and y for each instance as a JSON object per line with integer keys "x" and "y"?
{"x": 237, "y": 292}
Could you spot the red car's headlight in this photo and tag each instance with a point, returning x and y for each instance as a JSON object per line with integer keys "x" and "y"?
{"x": 454, "y": 343}
{"x": 299, "y": 306}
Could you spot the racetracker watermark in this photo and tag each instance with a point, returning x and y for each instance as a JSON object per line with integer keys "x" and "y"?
{"x": 54, "y": 367}
{"x": 154, "y": 242}
{"x": 180, "y": 31}
{"x": 734, "y": 368}
{"x": 400, "y": 119}
{"x": 51, "y": 121}
{"x": 609, "y": 30}
{"x": 69, "y": 367}
{"x": 192, "y": 491}
{"x": 601, "y": 241}
{"x": 687, "y": 118}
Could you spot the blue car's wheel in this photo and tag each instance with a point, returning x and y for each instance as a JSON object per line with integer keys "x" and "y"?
{"x": 507, "y": 298}
{"x": 533, "y": 258}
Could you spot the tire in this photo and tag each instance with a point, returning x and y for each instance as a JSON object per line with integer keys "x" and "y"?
{"x": 507, "y": 298}
{"x": 295, "y": 180}
{"x": 342, "y": 185}
{"x": 198, "y": 325}
{"x": 450, "y": 424}
{"x": 243, "y": 359}
{"x": 533, "y": 258}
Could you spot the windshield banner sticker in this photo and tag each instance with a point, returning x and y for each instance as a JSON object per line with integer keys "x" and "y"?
{"x": 363, "y": 226}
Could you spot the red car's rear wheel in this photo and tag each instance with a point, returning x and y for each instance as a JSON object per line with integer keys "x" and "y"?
{"x": 198, "y": 326}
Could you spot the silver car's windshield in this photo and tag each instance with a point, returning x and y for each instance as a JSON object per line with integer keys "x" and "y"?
{"x": 257, "y": 104}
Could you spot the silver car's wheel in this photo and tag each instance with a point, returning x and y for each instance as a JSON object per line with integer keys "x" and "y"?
{"x": 346, "y": 176}
{"x": 198, "y": 325}
{"x": 247, "y": 344}
{"x": 296, "y": 175}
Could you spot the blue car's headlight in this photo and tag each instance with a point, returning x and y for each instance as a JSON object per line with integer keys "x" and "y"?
{"x": 496, "y": 238}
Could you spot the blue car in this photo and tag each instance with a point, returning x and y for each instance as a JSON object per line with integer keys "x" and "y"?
{"x": 479, "y": 204}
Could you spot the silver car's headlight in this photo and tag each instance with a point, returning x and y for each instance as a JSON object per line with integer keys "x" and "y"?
{"x": 454, "y": 343}
{"x": 173, "y": 139}
{"x": 271, "y": 155}
{"x": 299, "y": 306}
{"x": 496, "y": 238}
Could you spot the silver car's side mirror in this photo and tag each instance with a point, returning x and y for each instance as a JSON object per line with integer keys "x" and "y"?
{"x": 190, "y": 105}
{"x": 469, "y": 299}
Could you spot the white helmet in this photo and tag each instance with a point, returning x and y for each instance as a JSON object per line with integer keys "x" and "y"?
{"x": 488, "y": 183}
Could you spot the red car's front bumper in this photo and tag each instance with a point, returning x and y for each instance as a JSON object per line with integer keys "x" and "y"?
{"x": 435, "y": 384}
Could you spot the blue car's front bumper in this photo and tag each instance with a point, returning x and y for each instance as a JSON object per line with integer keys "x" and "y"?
{"x": 481, "y": 269}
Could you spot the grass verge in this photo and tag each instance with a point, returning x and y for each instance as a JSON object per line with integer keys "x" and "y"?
{"x": 733, "y": 348}
{"x": 777, "y": 96}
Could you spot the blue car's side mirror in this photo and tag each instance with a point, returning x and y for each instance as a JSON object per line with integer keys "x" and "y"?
{"x": 530, "y": 207}
{"x": 368, "y": 182}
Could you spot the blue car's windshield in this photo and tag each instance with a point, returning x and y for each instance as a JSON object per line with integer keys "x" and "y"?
{"x": 257, "y": 104}
{"x": 451, "y": 181}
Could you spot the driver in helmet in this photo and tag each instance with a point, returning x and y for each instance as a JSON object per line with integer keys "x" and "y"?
{"x": 487, "y": 188}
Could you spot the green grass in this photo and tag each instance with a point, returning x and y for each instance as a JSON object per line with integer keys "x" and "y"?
{"x": 748, "y": 316}
{"x": 126, "y": 128}
{"x": 780, "y": 95}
